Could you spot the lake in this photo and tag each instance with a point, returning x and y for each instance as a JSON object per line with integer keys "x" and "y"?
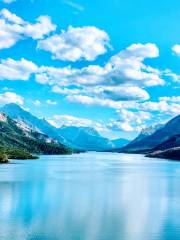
{"x": 90, "y": 196}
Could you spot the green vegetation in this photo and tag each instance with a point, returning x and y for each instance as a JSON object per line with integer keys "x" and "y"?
{"x": 6, "y": 154}
{"x": 13, "y": 137}
{"x": 3, "y": 158}
{"x": 19, "y": 154}
{"x": 16, "y": 143}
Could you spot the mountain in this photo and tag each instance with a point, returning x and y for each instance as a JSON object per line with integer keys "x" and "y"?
{"x": 134, "y": 144}
{"x": 147, "y": 132}
{"x": 172, "y": 153}
{"x": 169, "y": 149}
{"x": 119, "y": 143}
{"x": 85, "y": 138}
{"x": 25, "y": 118}
{"x": 172, "y": 142}
{"x": 82, "y": 138}
{"x": 154, "y": 139}
{"x": 12, "y": 136}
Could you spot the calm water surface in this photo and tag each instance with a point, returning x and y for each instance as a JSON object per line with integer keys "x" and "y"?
{"x": 91, "y": 196}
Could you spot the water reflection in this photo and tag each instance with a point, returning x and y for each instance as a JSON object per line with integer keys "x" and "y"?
{"x": 90, "y": 197}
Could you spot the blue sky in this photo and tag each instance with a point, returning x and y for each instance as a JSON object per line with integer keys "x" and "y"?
{"x": 112, "y": 64}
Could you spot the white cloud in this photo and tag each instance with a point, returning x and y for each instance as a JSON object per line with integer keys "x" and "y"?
{"x": 10, "y": 97}
{"x": 93, "y": 101}
{"x": 130, "y": 120}
{"x": 140, "y": 51}
{"x": 68, "y": 120}
{"x": 128, "y": 65}
{"x": 137, "y": 117}
{"x": 123, "y": 78}
{"x": 14, "y": 28}
{"x": 66, "y": 76}
{"x": 76, "y": 44}
{"x": 66, "y": 91}
{"x": 124, "y": 93}
{"x": 165, "y": 107}
{"x": 16, "y": 70}
{"x": 112, "y": 83}
{"x": 96, "y": 101}
{"x": 112, "y": 97}
{"x": 133, "y": 116}
{"x": 176, "y": 49}
{"x": 120, "y": 126}
{"x": 175, "y": 99}
{"x": 121, "y": 83}
{"x": 175, "y": 77}
{"x": 120, "y": 69}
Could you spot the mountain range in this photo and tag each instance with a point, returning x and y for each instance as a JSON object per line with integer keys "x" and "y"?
{"x": 80, "y": 138}
{"x": 13, "y": 136}
{"x": 21, "y": 129}
{"x": 149, "y": 140}
{"x": 85, "y": 138}
{"x": 162, "y": 141}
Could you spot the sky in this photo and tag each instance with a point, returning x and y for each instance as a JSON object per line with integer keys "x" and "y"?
{"x": 109, "y": 64}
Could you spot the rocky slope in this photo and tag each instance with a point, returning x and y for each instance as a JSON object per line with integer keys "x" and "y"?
{"x": 12, "y": 136}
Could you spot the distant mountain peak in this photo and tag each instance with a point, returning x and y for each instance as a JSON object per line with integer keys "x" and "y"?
{"x": 151, "y": 129}
{"x": 152, "y": 137}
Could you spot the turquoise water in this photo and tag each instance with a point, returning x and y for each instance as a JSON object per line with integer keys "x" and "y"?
{"x": 91, "y": 196}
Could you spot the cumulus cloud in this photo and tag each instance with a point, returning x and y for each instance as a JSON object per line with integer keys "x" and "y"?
{"x": 120, "y": 69}
{"x": 16, "y": 70}
{"x": 13, "y": 28}
{"x": 120, "y": 126}
{"x": 128, "y": 65}
{"x": 133, "y": 115}
{"x": 170, "y": 99}
{"x": 140, "y": 51}
{"x": 65, "y": 91}
{"x": 130, "y": 120}
{"x": 75, "y": 44}
{"x": 166, "y": 107}
{"x": 139, "y": 115}
{"x": 124, "y": 77}
{"x": 109, "y": 96}
{"x": 176, "y": 49}
{"x": 125, "y": 93}
{"x": 68, "y": 120}
{"x": 175, "y": 77}
{"x": 94, "y": 101}
{"x": 10, "y": 97}
{"x": 121, "y": 83}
